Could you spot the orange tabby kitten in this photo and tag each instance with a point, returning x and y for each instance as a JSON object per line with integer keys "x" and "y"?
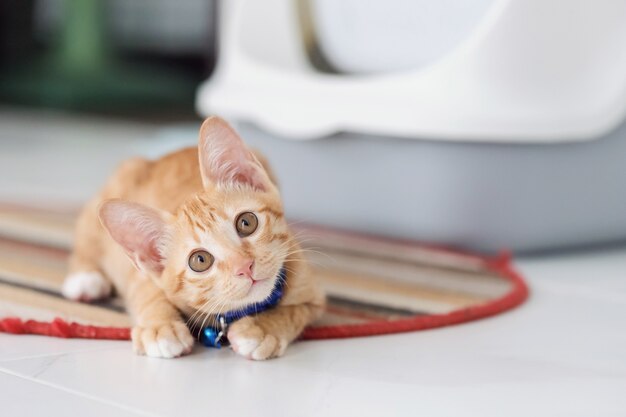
{"x": 195, "y": 233}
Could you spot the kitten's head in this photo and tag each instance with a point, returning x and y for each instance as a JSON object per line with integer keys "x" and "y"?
{"x": 224, "y": 247}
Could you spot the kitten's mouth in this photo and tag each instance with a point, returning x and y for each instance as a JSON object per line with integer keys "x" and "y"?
{"x": 257, "y": 287}
{"x": 255, "y": 281}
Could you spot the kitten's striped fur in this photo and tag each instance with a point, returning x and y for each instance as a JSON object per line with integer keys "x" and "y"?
{"x": 139, "y": 231}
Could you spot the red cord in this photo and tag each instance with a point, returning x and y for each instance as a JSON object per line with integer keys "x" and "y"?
{"x": 500, "y": 265}
{"x": 60, "y": 328}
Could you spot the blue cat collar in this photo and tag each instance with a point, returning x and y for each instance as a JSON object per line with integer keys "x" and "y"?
{"x": 212, "y": 336}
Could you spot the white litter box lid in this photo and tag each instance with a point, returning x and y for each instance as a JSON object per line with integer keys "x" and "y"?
{"x": 532, "y": 71}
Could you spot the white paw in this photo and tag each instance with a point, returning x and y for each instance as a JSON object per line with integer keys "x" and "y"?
{"x": 250, "y": 341}
{"x": 86, "y": 286}
{"x": 169, "y": 340}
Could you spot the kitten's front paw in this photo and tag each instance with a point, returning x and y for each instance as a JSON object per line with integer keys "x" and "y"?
{"x": 168, "y": 340}
{"x": 86, "y": 286}
{"x": 248, "y": 339}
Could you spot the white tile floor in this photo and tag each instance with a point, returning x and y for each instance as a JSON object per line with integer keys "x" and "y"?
{"x": 561, "y": 354}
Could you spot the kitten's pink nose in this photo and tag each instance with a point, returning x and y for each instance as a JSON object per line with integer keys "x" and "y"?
{"x": 245, "y": 269}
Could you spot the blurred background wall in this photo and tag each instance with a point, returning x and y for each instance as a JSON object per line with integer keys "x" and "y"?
{"x": 486, "y": 124}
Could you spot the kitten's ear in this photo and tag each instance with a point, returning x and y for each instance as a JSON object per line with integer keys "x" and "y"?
{"x": 225, "y": 158}
{"x": 141, "y": 231}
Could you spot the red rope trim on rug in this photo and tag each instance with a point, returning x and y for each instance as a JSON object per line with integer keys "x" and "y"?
{"x": 500, "y": 265}
{"x": 60, "y": 328}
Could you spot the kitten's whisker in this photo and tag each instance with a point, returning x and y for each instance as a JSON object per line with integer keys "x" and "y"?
{"x": 209, "y": 313}
{"x": 196, "y": 316}
{"x": 311, "y": 250}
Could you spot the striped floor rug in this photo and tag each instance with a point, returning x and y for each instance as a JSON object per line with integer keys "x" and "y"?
{"x": 374, "y": 286}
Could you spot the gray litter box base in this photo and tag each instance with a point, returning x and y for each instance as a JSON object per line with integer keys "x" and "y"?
{"x": 480, "y": 196}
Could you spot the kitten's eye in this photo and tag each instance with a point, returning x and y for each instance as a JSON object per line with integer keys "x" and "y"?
{"x": 246, "y": 224}
{"x": 200, "y": 260}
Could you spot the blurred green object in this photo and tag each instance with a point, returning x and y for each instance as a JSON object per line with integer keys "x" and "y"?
{"x": 82, "y": 72}
{"x": 83, "y": 46}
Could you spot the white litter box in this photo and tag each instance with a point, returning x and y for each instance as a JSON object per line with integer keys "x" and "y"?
{"x": 510, "y": 133}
